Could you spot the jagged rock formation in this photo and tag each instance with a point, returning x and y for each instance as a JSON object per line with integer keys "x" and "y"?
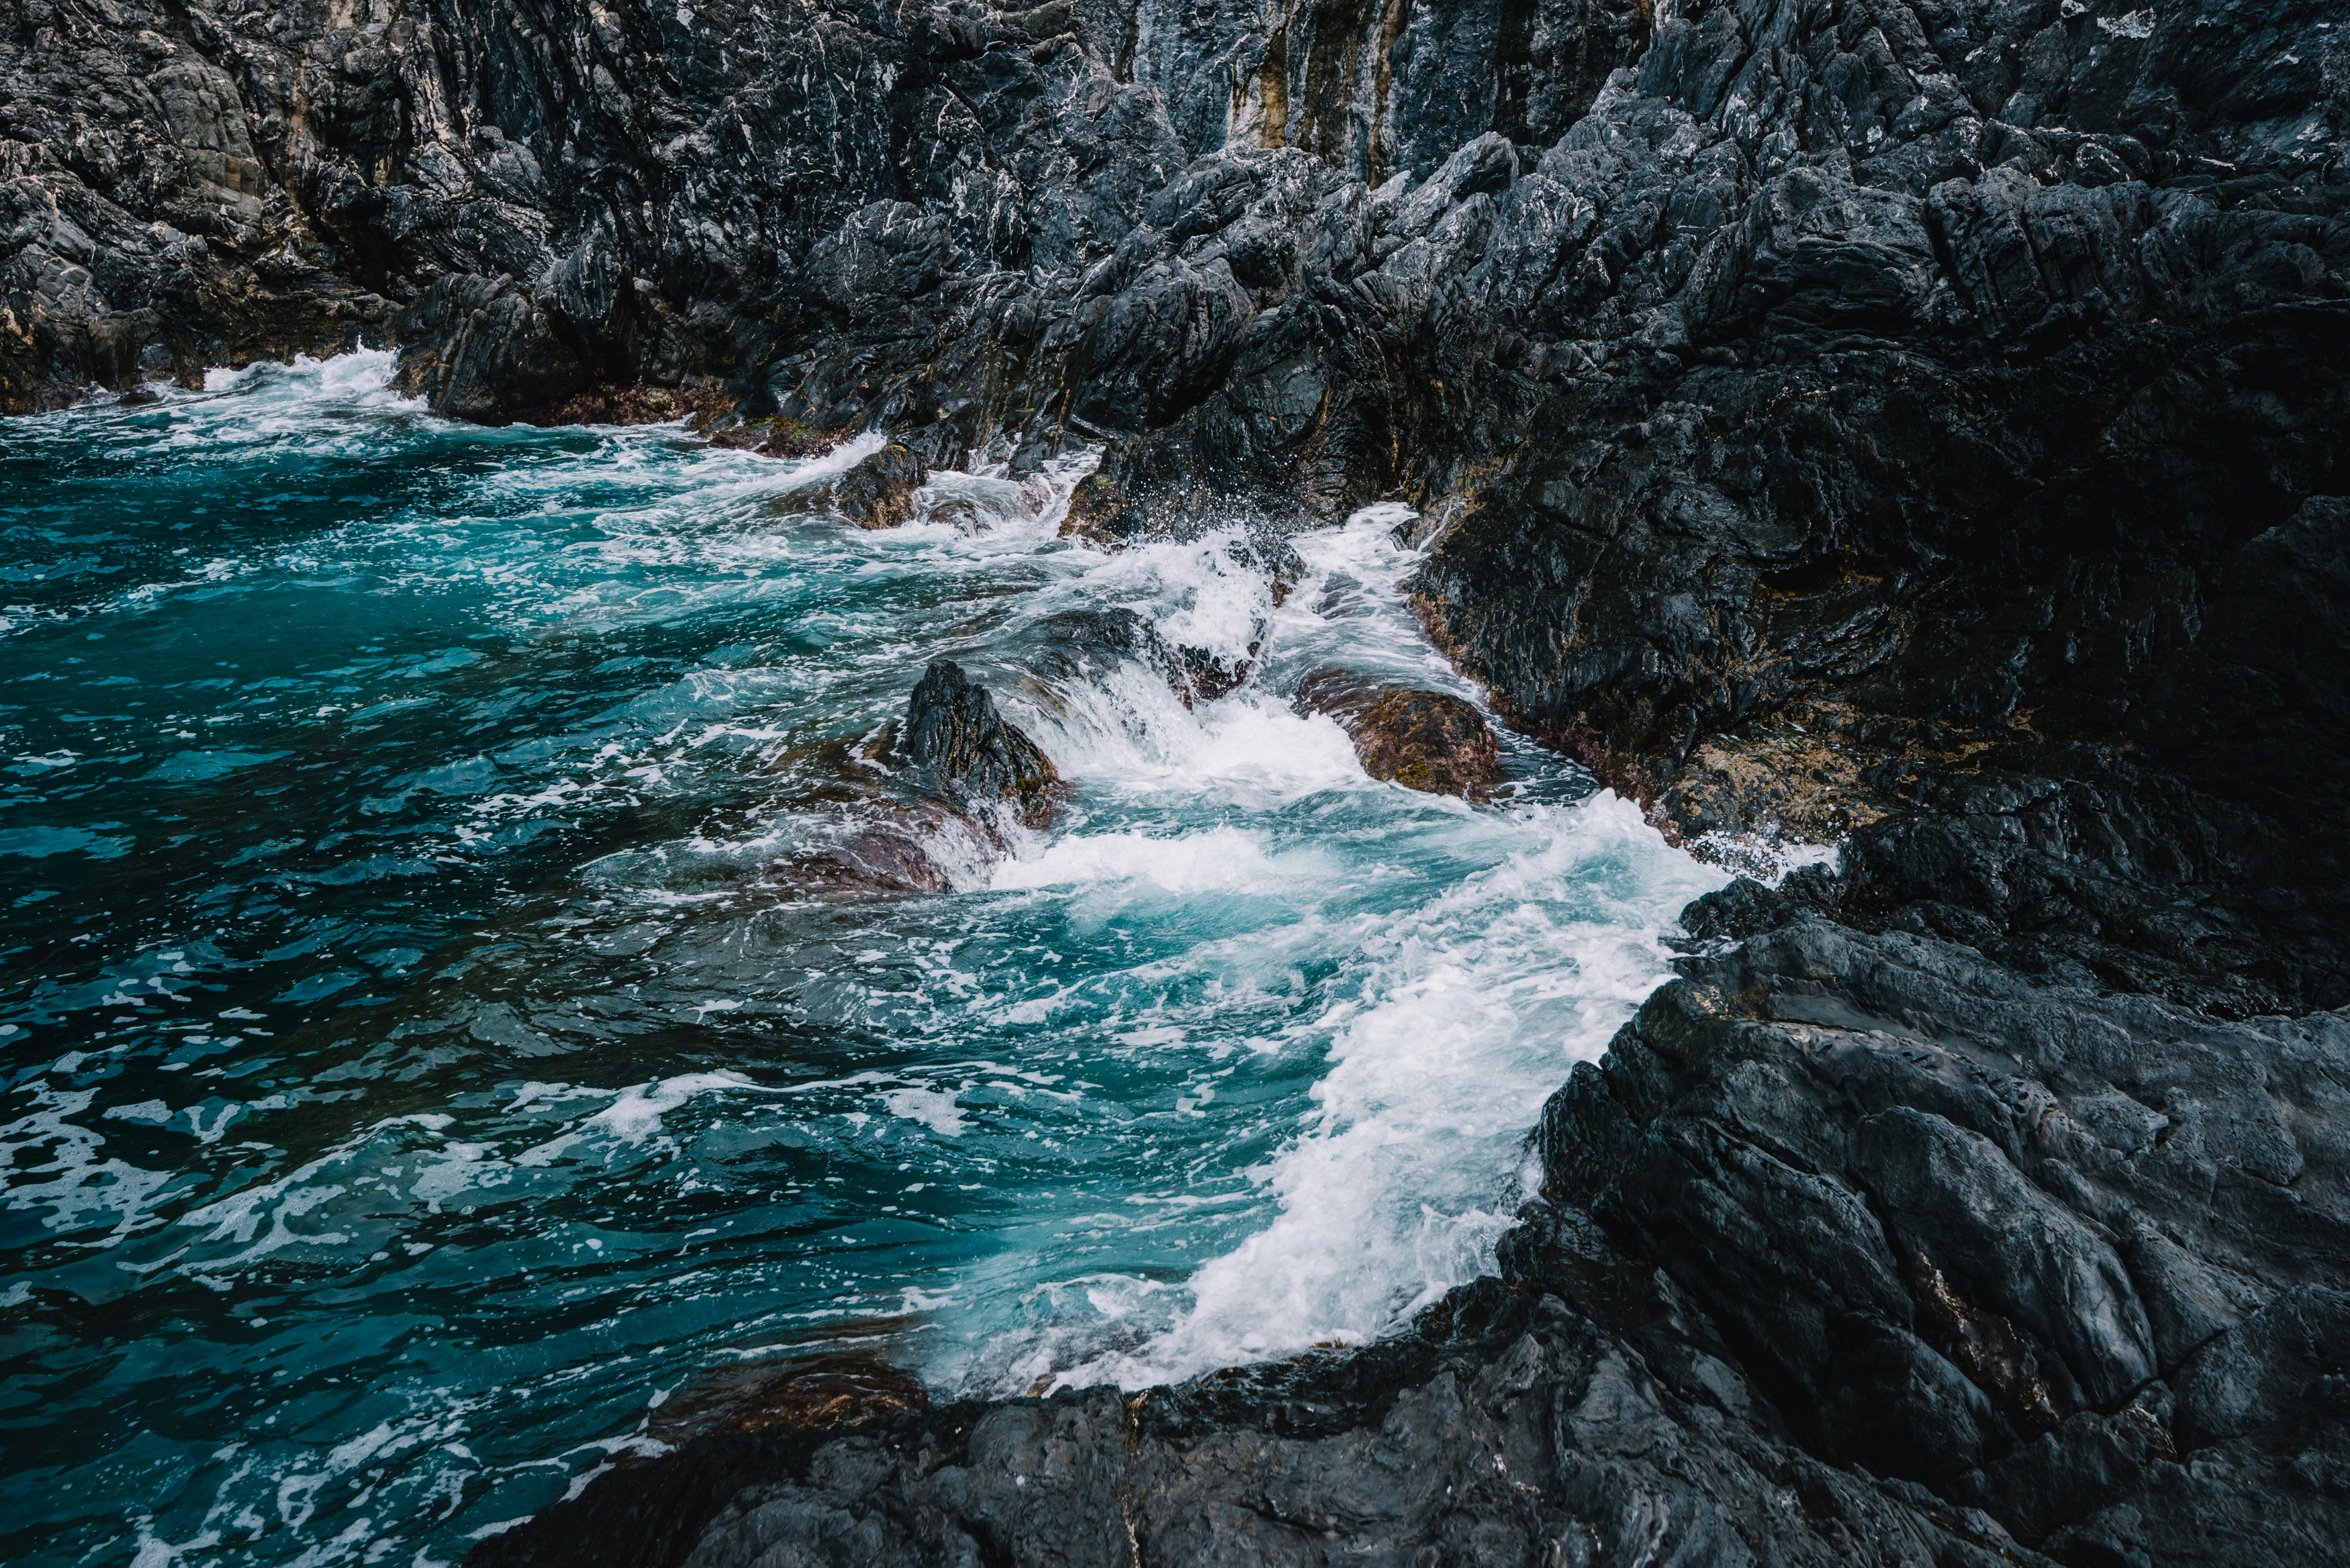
{"x": 2075, "y": 1261}
{"x": 971, "y": 753}
{"x": 1915, "y": 423}
{"x": 888, "y": 212}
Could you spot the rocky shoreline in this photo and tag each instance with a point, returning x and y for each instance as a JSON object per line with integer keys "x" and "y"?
{"x": 1915, "y": 425}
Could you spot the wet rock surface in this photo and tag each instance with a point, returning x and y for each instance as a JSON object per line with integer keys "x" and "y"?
{"x": 1428, "y": 741}
{"x": 969, "y": 753}
{"x": 809, "y": 1393}
{"x": 1918, "y": 425}
{"x": 907, "y": 805}
{"x": 878, "y": 492}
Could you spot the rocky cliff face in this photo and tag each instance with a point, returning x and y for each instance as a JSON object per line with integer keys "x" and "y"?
{"x": 1921, "y": 425}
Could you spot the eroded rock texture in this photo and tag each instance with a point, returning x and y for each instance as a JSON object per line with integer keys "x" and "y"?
{"x": 1428, "y": 741}
{"x": 1917, "y": 424}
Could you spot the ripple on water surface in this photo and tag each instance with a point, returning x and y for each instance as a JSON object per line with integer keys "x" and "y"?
{"x": 417, "y": 1065}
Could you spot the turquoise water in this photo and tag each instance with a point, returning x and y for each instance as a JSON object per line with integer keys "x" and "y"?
{"x": 419, "y": 1059}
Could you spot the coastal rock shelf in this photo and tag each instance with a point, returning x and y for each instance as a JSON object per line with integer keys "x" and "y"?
{"x": 1914, "y": 428}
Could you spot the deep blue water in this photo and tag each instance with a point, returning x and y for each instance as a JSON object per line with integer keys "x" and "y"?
{"x": 415, "y": 1062}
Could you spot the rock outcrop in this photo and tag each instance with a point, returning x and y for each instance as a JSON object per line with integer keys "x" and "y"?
{"x": 2024, "y": 1245}
{"x": 970, "y": 754}
{"x": 1856, "y": 1249}
{"x": 1917, "y": 423}
{"x": 1428, "y": 741}
{"x": 878, "y": 492}
{"x": 900, "y": 810}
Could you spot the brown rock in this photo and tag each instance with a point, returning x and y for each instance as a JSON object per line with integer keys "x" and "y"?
{"x": 817, "y": 1392}
{"x": 1425, "y": 740}
{"x": 779, "y": 436}
{"x": 879, "y": 492}
{"x": 1099, "y": 511}
{"x": 790, "y": 437}
{"x": 635, "y": 406}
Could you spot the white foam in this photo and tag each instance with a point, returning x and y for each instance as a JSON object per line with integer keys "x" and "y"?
{"x": 1208, "y": 593}
{"x": 80, "y": 1189}
{"x": 362, "y": 377}
{"x": 637, "y": 1114}
{"x": 933, "y": 1108}
{"x": 153, "y": 1551}
{"x": 1768, "y": 857}
{"x": 1220, "y": 860}
{"x": 1387, "y": 515}
{"x": 456, "y": 1169}
{"x": 1472, "y": 1010}
{"x": 1247, "y": 750}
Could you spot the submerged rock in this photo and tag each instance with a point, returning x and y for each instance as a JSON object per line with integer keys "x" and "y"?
{"x": 894, "y": 849}
{"x": 1085, "y": 647}
{"x": 1428, "y": 741}
{"x": 955, "y": 734}
{"x": 1207, "y": 675}
{"x": 839, "y": 1388}
{"x": 875, "y": 837}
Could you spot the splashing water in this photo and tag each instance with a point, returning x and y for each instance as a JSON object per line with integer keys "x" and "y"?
{"x": 419, "y": 1062}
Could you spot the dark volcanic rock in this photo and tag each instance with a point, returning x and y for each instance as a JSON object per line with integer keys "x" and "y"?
{"x": 879, "y": 492}
{"x": 1427, "y": 740}
{"x": 956, "y": 737}
{"x": 1819, "y": 1274}
{"x": 2023, "y": 1245}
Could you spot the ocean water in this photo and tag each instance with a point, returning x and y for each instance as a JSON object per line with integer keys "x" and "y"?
{"x": 418, "y": 1060}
